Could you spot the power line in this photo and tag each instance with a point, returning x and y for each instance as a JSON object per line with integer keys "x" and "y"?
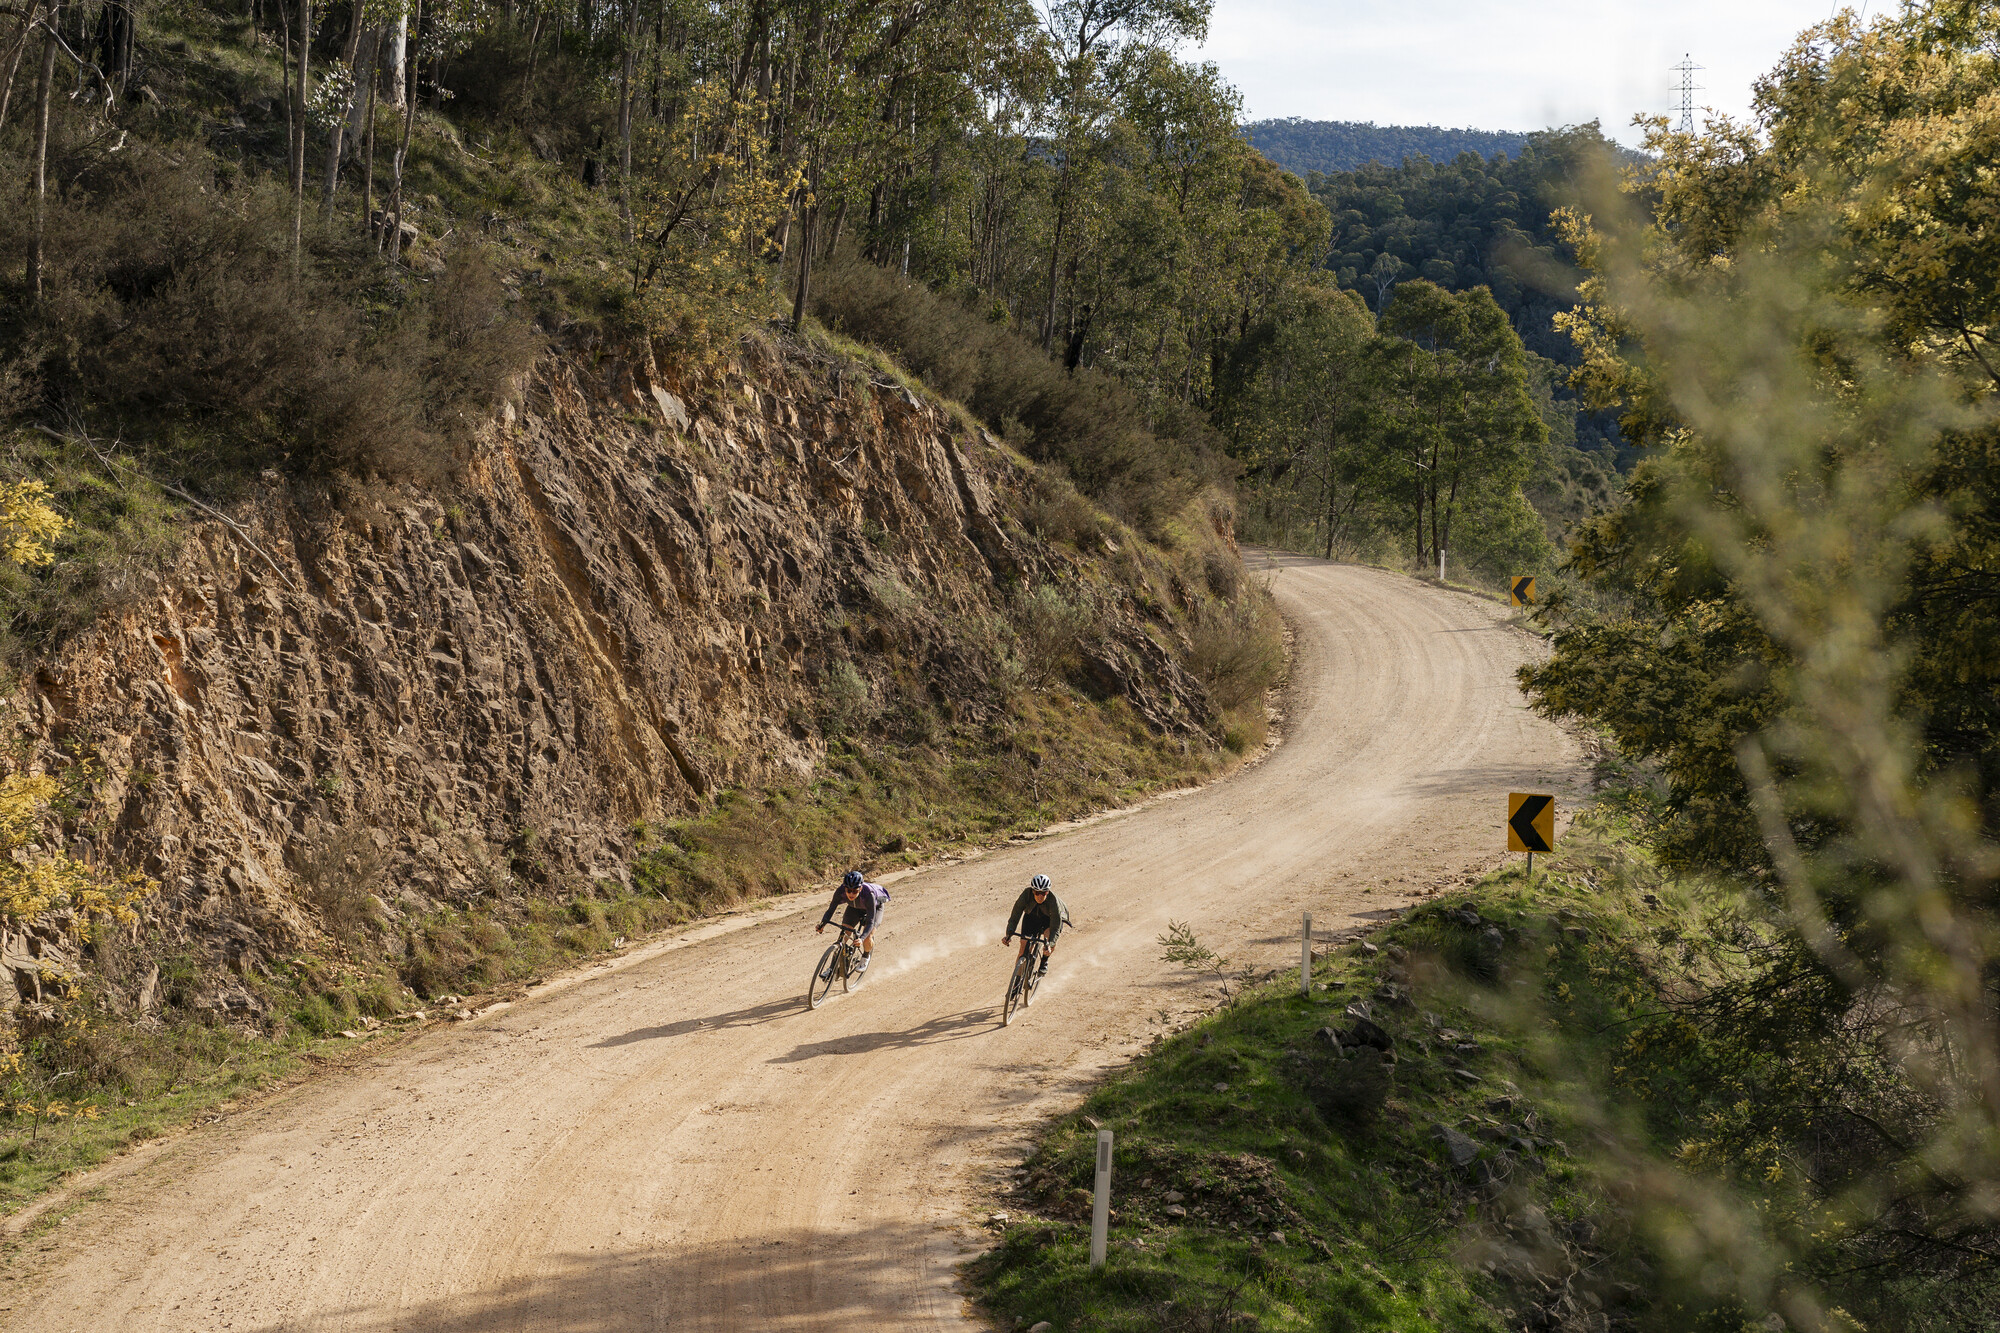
{"x": 1689, "y": 88}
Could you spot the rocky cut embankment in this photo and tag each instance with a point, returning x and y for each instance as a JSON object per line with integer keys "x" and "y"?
{"x": 641, "y": 590}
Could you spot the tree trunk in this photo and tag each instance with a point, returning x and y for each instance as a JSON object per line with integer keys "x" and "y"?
{"x": 808, "y": 243}
{"x": 625, "y": 94}
{"x": 14, "y": 62}
{"x": 409, "y": 105}
{"x": 299, "y": 124}
{"x": 833, "y": 236}
{"x": 1055, "y": 262}
{"x": 114, "y": 43}
{"x": 43, "y": 87}
{"x": 399, "y": 42}
{"x": 336, "y": 138}
{"x": 368, "y": 150}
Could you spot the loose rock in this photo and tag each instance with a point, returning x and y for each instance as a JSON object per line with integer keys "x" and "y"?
{"x": 1462, "y": 1150}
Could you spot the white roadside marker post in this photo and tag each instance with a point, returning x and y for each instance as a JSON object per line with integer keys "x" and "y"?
{"x": 1100, "y": 1210}
{"x": 1306, "y": 957}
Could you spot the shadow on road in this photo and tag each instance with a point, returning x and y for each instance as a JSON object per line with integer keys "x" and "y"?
{"x": 789, "y": 1279}
{"x": 735, "y": 1018}
{"x": 950, "y": 1027}
{"x": 1494, "y": 780}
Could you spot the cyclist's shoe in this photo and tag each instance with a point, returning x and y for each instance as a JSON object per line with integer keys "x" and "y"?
{"x": 1043, "y": 970}
{"x": 864, "y": 965}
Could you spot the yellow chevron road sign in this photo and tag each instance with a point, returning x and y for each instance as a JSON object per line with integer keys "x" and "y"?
{"x": 1531, "y": 822}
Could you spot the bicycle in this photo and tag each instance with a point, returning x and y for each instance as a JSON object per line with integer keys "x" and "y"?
{"x": 1027, "y": 978}
{"x": 841, "y": 962}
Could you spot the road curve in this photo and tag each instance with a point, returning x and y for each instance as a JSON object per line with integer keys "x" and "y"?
{"x": 675, "y": 1143}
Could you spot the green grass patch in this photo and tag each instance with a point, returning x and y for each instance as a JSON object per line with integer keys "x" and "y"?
{"x": 1269, "y": 1177}
{"x": 1575, "y": 1087}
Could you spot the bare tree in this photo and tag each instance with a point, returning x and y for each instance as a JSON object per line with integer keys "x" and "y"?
{"x": 44, "y": 86}
{"x": 407, "y": 99}
{"x": 27, "y": 21}
{"x": 299, "y": 123}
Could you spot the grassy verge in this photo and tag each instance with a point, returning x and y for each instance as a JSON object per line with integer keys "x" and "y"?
{"x": 1268, "y": 1177}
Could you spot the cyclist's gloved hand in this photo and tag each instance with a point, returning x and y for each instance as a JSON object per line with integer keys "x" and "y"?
{"x": 820, "y": 929}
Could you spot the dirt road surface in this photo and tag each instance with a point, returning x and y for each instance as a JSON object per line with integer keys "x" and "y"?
{"x": 674, "y": 1142}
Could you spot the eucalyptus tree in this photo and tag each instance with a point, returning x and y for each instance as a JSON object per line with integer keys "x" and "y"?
{"x": 1464, "y": 417}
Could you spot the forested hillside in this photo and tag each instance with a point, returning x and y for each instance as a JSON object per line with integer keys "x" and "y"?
{"x": 1302, "y": 146}
{"x": 1470, "y": 222}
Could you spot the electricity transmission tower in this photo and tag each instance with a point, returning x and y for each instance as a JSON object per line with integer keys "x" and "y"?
{"x": 1689, "y": 88}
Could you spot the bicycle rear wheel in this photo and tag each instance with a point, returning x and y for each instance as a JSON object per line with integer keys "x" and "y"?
{"x": 1017, "y": 987}
{"x": 822, "y": 979}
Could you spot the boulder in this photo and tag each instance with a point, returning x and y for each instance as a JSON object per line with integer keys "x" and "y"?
{"x": 1462, "y": 1151}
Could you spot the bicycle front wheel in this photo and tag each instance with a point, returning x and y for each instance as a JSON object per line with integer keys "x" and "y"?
{"x": 849, "y": 960}
{"x": 1017, "y": 990}
{"x": 822, "y": 979}
{"x": 1033, "y": 981}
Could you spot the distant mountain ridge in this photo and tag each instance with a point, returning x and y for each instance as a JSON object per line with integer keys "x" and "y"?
{"x": 1301, "y": 146}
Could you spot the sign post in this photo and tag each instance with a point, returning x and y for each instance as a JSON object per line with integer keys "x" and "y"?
{"x": 1306, "y": 957}
{"x": 1521, "y": 590}
{"x": 1531, "y": 825}
{"x": 1100, "y": 1208}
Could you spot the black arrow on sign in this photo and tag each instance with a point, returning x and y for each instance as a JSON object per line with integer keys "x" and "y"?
{"x": 1521, "y": 587}
{"x": 1523, "y": 823}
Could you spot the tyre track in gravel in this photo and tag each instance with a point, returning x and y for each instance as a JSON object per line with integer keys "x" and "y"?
{"x": 676, "y": 1143}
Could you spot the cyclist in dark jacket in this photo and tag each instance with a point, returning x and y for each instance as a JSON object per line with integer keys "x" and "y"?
{"x": 1036, "y": 912}
{"x": 864, "y": 903}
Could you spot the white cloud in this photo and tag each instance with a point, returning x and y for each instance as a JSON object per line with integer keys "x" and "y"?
{"x": 1508, "y": 65}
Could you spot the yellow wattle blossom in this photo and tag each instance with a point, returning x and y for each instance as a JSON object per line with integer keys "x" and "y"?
{"x": 32, "y": 884}
{"x": 28, "y": 524}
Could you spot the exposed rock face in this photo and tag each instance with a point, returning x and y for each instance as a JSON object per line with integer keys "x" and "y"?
{"x": 634, "y": 597}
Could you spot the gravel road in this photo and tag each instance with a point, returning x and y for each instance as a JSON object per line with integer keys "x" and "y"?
{"x": 675, "y": 1142}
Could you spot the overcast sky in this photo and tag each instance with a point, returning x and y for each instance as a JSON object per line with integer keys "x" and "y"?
{"x": 1496, "y": 64}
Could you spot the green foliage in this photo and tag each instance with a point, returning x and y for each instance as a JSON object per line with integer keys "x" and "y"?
{"x": 1409, "y": 434}
{"x": 1237, "y": 650}
{"x": 1642, "y": 1071}
{"x": 1179, "y": 946}
{"x": 1087, "y": 424}
{"x": 177, "y": 320}
{"x": 1795, "y": 626}
{"x": 1462, "y": 220}
{"x": 1051, "y": 629}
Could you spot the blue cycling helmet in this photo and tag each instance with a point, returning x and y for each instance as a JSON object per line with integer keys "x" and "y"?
{"x": 1040, "y": 884}
{"x": 852, "y": 880}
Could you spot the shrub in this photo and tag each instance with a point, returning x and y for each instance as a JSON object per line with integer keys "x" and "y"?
{"x": 1056, "y": 513}
{"x": 845, "y": 703}
{"x": 340, "y": 871}
{"x": 439, "y": 959}
{"x": 1050, "y": 630}
{"x": 178, "y": 319}
{"x": 1237, "y": 650}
